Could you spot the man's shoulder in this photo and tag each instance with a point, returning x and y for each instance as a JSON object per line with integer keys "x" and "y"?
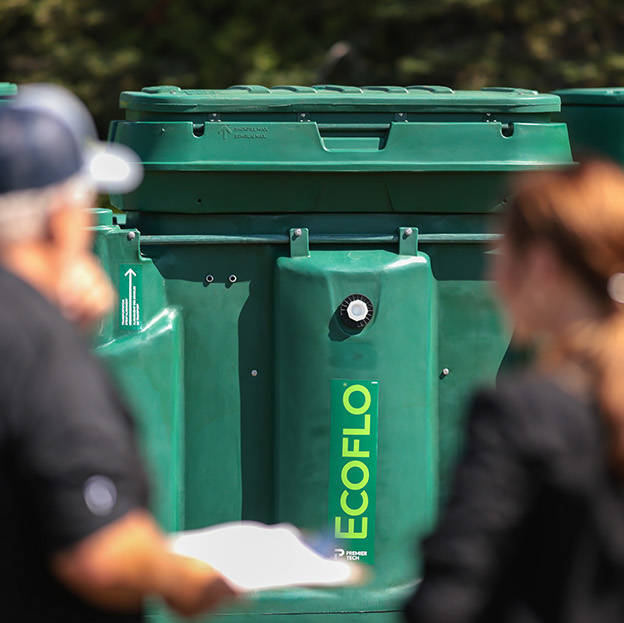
{"x": 30, "y": 326}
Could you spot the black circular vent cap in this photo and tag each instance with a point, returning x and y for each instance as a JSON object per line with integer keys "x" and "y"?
{"x": 356, "y": 311}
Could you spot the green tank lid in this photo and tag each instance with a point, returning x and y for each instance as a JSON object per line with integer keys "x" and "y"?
{"x": 7, "y": 89}
{"x": 337, "y": 98}
{"x": 603, "y": 96}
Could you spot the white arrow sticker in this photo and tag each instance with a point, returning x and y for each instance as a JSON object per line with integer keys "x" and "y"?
{"x": 130, "y": 295}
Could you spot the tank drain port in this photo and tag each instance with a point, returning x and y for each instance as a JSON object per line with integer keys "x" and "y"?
{"x": 356, "y": 311}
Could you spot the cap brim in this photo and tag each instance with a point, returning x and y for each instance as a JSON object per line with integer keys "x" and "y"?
{"x": 112, "y": 168}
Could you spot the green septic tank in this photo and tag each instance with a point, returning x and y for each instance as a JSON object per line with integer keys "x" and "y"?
{"x": 302, "y": 307}
{"x": 7, "y": 90}
{"x": 595, "y": 119}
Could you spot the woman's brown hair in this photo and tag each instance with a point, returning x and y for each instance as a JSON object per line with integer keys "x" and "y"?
{"x": 580, "y": 213}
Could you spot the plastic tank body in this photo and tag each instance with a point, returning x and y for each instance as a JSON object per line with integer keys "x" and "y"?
{"x": 7, "y": 91}
{"x": 303, "y": 310}
{"x": 595, "y": 119}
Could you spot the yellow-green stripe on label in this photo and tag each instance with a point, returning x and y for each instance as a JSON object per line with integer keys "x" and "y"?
{"x": 353, "y": 468}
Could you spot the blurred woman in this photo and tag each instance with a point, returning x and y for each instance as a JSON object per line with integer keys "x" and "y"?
{"x": 534, "y": 528}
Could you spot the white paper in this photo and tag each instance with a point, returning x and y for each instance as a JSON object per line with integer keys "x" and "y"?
{"x": 252, "y": 556}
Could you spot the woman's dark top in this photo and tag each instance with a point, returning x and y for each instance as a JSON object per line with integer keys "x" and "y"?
{"x": 534, "y": 528}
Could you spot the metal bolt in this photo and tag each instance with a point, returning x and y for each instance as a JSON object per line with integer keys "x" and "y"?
{"x": 445, "y": 372}
{"x": 408, "y": 232}
{"x": 208, "y": 278}
{"x": 302, "y": 116}
{"x": 131, "y": 235}
{"x": 254, "y": 373}
{"x": 298, "y": 232}
{"x": 232, "y": 278}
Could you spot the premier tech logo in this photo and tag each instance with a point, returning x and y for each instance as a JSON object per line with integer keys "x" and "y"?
{"x": 353, "y": 467}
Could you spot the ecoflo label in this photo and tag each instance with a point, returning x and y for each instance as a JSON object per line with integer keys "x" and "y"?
{"x": 353, "y": 468}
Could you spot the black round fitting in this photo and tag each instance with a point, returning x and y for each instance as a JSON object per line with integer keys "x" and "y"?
{"x": 356, "y": 311}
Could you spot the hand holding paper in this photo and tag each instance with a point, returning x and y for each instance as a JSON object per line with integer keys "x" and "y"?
{"x": 252, "y": 556}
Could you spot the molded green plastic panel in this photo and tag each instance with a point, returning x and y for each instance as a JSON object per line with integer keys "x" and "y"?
{"x": 397, "y": 349}
{"x": 598, "y": 96}
{"x": 7, "y": 90}
{"x": 261, "y": 210}
{"x": 288, "y": 146}
{"x": 289, "y": 168}
{"x": 149, "y": 368}
{"x": 334, "y": 98}
{"x": 595, "y": 119}
{"x": 257, "y": 445}
{"x": 301, "y": 149}
{"x": 287, "y": 605}
{"x": 244, "y": 192}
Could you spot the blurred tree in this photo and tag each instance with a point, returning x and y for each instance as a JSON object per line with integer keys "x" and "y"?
{"x": 101, "y": 47}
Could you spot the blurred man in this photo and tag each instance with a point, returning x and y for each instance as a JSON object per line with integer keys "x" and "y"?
{"x": 76, "y": 540}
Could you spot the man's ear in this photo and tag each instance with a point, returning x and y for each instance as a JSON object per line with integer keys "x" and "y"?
{"x": 59, "y": 222}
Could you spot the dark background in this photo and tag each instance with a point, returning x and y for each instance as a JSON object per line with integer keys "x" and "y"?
{"x": 101, "y": 47}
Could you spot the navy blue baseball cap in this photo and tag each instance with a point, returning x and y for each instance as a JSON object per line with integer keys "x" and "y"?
{"x": 47, "y": 135}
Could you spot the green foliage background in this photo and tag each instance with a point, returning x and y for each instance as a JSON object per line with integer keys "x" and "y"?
{"x": 101, "y": 47}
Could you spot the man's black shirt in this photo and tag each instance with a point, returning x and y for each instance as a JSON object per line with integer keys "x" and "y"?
{"x": 69, "y": 464}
